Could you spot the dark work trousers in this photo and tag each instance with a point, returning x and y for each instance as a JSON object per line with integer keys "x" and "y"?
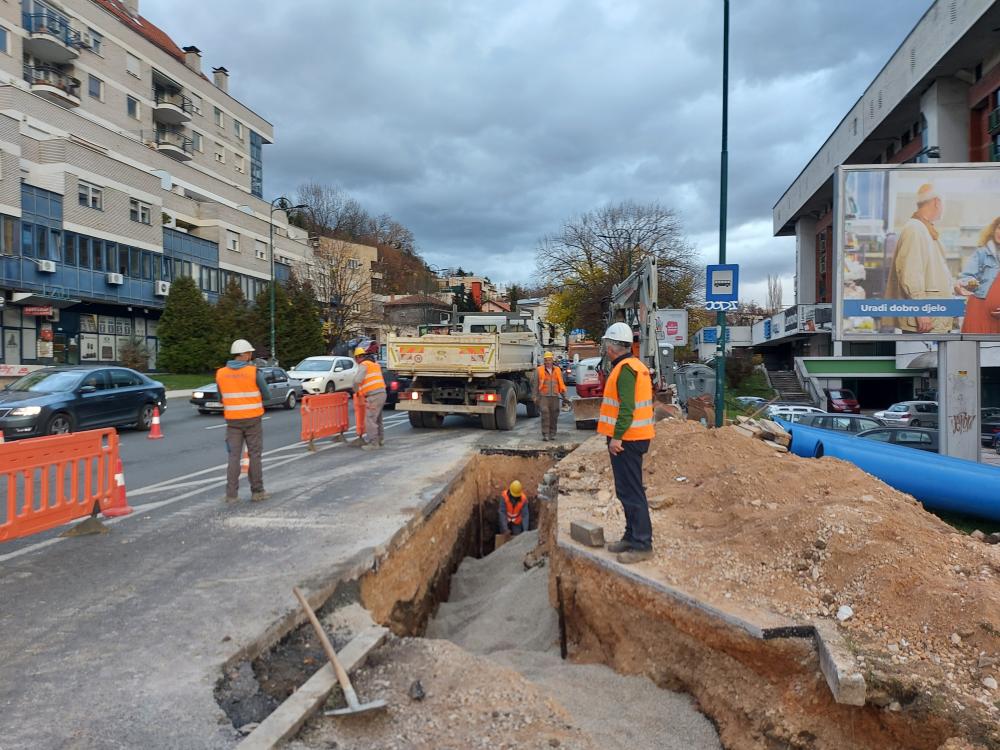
{"x": 238, "y": 432}
{"x": 627, "y": 468}
{"x": 549, "y": 407}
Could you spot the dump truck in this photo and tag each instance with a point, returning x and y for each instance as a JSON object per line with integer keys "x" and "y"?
{"x": 482, "y": 367}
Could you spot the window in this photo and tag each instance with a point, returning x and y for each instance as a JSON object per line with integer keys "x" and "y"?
{"x": 140, "y": 212}
{"x": 83, "y": 245}
{"x": 90, "y": 196}
{"x": 220, "y": 153}
{"x": 238, "y": 129}
{"x": 261, "y": 249}
{"x": 124, "y": 379}
{"x": 132, "y": 65}
{"x": 220, "y": 119}
{"x": 3, "y": 41}
{"x": 95, "y": 86}
{"x": 353, "y": 264}
{"x": 132, "y": 107}
{"x": 883, "y": 436}
{"x": 232, "y": 241}
{"x": 96, "y": 41}
{"x": 241, "y": 163}
{"x": 196, "y": 104}
{"x": 196, "y": 141}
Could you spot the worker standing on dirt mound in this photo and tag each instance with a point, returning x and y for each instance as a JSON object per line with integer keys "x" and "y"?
{"x": 514, "y": 516}
{"x": 550, "y": 390}
{"x": 626, "y": 419}
{"x": 368, "y": 381}
{"x": 242, "y": 388}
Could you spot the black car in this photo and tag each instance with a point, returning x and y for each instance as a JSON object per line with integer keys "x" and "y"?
{"x": 55, "y": 400}
{"x": 921, "y": 438}
{"x": 989, "y": 425}
{"x": 394, "y": 385}
{"x": 853, "y": 423}
{"x": 282, "y": 391}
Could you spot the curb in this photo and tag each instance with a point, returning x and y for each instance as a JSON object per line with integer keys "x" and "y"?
{"x": 186, "y": 393}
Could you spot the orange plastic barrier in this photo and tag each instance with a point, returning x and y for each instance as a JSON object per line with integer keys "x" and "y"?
{"x": 323, "y": 415}
{"x": 359, "y": 415}
{"x": 49, "y": 481}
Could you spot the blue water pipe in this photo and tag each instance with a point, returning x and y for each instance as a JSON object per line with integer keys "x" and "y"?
{"x": 941, "y": 483}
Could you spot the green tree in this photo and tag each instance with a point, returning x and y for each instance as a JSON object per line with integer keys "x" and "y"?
{"x": 186, "y": 332}
{"x": 232, "y": 319}
{"x": 301, "y": 328}
{"x": 260, "y": 320}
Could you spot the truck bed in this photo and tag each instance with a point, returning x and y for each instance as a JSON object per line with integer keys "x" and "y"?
{"x": 477, "y": 355}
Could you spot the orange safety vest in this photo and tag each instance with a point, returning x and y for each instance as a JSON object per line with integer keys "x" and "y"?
{"x": 514, "y": 511}
{"x": 543, "y": 377}
{"x": 642, "y": 418}
{"x": 241, "y": 398}
{"x": 373, "y": 379}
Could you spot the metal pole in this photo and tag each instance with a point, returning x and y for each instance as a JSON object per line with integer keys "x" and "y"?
{"x": 274, "y": 357}
{"x": 720, "y": 351}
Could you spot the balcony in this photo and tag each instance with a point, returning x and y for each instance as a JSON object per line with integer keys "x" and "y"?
{"x": 53, "y": 84}
{"x": 174, "y": 144}
{"x": 50, "y": 38}
{"x": 171, "y": 108}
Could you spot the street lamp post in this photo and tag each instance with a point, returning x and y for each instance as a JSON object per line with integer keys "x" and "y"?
{"x": 285, "y": 205}
{"x": 720, "y": 351}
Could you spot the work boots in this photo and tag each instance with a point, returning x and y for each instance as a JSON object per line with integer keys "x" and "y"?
{"x": 620, "y": 546}
{"x": 259, "y": 497}
{"x": 629, "y": 557}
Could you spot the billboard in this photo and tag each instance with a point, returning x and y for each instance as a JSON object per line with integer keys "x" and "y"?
{"x": 672, "y": 327}
{"x": 917, "y": 251}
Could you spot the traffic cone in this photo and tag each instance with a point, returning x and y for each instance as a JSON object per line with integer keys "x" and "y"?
{"x": 245, "y": 462}
{"x": 119, "y": 505}
{"x": 1, "y": 437}
{"x": 154, "y": 431}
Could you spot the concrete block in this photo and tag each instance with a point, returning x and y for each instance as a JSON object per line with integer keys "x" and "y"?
{"x": 587, "y": 533}
{"x": 839, "y": 666}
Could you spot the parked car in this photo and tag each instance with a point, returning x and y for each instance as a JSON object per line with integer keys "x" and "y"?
{"x": 753, "y": 402}
{"x": 842, "y": 401}
{"x": 568, "y": 372}
{"x": 791, "y": 412}
{"x": 55, "y": 400}
{"x": 989, "y": 427}
{"x": 394, "y": 385}
{"x": 910, "y": 414}
{"x": 282, "y": 391}
{"x": 325, "y": 374}
{"x": 853, "y": 423}
{"x": 921, "y": 438}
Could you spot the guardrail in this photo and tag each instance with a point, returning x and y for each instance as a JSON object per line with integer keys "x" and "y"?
{"x": 323, "y": 415}
{"x": 49, "y": 481}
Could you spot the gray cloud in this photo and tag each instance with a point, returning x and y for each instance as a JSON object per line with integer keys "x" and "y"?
{"x": 483, "y": 126}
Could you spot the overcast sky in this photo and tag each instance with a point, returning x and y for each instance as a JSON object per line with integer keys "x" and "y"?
{"x": 485, "y": 124}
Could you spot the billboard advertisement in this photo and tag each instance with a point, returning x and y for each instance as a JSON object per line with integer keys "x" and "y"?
{"x": 917, "y": 252}
{"x": 672, "y": 327}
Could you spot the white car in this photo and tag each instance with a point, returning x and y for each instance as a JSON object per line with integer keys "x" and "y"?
{"x": 324, "y": 374}
{"x": 791, "y": 412}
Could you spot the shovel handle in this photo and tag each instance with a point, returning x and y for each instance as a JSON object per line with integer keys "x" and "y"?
{"x": 342, "y": 678}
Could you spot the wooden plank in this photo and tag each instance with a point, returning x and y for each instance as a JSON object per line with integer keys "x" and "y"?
{"x": 285, "y": 722}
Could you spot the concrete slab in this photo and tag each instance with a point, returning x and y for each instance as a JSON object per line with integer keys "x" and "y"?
{"x": 839, "y": 666}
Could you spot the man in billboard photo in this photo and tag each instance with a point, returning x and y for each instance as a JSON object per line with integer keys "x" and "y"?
{"x": 976, "y": 284}
{"x": 919, "y": 269}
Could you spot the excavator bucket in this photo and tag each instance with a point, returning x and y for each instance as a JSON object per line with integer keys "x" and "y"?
{"x": 586, "y": 412}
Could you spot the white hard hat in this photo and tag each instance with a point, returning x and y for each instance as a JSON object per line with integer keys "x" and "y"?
{"x": 241, "y": 346}
{"x": 619, "y": 332}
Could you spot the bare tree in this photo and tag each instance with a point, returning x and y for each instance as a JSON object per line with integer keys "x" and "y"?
{"x": 774, "y": 294}
{"x": 343, "y": 281}
{"x": 599, "y": 249}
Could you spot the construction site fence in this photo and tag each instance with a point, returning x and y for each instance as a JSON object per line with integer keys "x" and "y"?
{"x": 324, "y": 415}
{"x": 49, "y": 481}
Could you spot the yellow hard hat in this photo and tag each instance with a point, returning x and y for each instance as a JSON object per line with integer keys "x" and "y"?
{"x": 549, "y": 355}
{"x": 359, "y": 351}
{"x": 515, "y": 488}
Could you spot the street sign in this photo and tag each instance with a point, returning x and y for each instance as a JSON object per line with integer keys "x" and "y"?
{"x": 723, "y": 283}
{"x": 38, "y": 310}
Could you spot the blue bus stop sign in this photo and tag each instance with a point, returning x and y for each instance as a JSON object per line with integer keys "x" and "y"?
{"x": 723, "y": 283}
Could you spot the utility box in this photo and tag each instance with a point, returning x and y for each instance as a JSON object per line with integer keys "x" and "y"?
{"x": 694, "y": 381}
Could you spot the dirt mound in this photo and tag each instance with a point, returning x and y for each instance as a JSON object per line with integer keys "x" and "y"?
{"x": 743, "y": 526}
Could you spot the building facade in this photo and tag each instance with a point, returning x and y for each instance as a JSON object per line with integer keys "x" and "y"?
{"x": 123, "y": 166}
{"x": 937, "y": 100}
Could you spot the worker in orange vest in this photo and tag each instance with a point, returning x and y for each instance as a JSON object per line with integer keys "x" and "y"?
{"x": 549, "y": 391}
{"x": 514, "y": 514}
{"x": 369, "y": 383}
{"x": 242, "y": 388}
{"x": 626, "y": 419}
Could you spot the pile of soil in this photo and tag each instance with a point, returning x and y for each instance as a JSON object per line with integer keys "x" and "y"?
{"x": 749, "y": 529}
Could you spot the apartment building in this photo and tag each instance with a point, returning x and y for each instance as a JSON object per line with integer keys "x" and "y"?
{"x": 936, "y": 100}
{"x": 123, "y": 165}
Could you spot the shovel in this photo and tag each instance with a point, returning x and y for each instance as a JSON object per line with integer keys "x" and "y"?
{"x": 353, "y": 705}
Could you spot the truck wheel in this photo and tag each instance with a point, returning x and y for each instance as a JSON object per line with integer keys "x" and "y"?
{"x": 532, "y": 408}
{"x": 415, "y": 418}
{"x": 488, "y": 421}
{"x": 506, "y": 415}
{"x": 432, "y": 420}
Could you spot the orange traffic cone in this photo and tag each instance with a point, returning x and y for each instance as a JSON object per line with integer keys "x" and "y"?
{"x": 245, "y": 462}
{"x": 154, "y": 431}
{"x": 119, "y": 505}
{"x": 1, "y": 437}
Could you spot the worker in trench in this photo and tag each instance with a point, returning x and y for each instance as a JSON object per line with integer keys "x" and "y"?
{"x": 514, "y": 516}
{"x": 550, "y": 391}
{"x": 369, "y": 383}
{"x": 626, "y": 419}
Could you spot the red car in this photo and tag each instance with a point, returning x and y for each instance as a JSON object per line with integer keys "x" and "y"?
{"x": 841, "y": 401}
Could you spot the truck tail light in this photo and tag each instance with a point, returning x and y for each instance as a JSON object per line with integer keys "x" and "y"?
{"x": 411, "y": 396}
{"x": 489, "y": 398}
{"x": 394, "y": 385}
